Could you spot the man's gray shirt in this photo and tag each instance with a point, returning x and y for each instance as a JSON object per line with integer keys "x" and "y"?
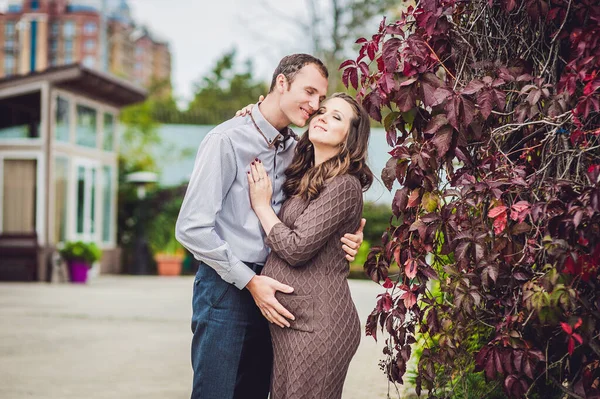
{"x": 216, "y": 222}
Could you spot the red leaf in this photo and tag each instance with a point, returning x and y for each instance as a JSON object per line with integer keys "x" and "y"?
{"x": 413, "y": 200}
{"x": 473, "y": 87}
{"x": 406, "y": 98}
{"x": 571, "y": 346}
{"x": 442, "y": 140}
{"x": 485, "y": 102}
{"x": 409, "y": 299}
{"x": 436, "y": 123}
{"x": 354, "y": 77}
{"x": 400, "y": 201}
{"x": 347, "y": 63}
{"x": 441, "y": 94}
{"x": 566, "y": 328}
{"x": 388, "y": 283}
{"x": 500, "y": 223}
{"x": 410, "y": 267}
{"x": 388, "y": 174}
{"x": 497, "y": 211}
{"x": 390, "y": 53}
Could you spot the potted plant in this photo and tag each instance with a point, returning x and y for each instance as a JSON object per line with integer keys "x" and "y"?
{"x": 168, "y": 253}
{"x": 169, "y": 258}
{"x": 80, "y": 256}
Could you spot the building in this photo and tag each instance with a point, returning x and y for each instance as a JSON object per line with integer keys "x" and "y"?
{"x": 152, "y": 60}
{"x": 59, "y": 140}
{"x": 35, "y": 35}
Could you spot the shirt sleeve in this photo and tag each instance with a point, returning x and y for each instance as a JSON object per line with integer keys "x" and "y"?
{"x": 338, "y": 203}
{"x": 214, "y": 172}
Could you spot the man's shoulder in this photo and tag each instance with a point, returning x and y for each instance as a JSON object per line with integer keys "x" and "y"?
{"x": 232, "y": 127}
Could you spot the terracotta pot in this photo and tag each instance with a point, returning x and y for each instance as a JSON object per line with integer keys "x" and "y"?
{"x": 168, "y": 265}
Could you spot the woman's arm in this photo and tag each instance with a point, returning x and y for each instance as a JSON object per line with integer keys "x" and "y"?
{"x": 340, "y": 201}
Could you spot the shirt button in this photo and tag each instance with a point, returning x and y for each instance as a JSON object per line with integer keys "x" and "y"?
{"x": 277, "y": 177}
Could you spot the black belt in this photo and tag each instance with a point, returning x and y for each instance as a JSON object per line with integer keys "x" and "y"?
{"x": 256, "y": 267}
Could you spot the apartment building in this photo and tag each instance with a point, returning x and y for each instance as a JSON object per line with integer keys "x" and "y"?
{"x": 38, "y": 34}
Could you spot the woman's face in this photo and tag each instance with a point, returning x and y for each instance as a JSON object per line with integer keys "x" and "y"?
{"x": 330, "y": 126}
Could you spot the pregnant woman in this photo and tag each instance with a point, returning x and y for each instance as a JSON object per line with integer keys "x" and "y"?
{"x": 324, "y": 189}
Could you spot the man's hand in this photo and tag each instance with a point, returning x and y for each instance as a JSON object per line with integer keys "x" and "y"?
{"x": 263, "y": 290}
{"x": 353, "y": 241}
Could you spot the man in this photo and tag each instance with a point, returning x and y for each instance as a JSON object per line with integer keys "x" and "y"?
{"x": 231, "y": 347}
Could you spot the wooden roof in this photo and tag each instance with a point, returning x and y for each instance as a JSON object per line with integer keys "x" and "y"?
{"x": 84, "y": 81}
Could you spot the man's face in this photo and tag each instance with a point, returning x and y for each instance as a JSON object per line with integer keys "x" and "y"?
{"x": 301, "y": 99}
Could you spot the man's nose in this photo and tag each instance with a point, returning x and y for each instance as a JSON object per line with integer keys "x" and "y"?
{"x": 314, "y": 103}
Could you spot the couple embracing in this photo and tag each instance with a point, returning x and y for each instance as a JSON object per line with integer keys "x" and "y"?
{"x": 274, "y": 220}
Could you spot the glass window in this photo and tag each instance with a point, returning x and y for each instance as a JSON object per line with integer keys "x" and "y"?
{"x": 68, "y": 58}
{"x": 9, "y": 29}
{"x": 9, "y": 44}
{"x": 68, "y": 46}
{"x": 69, "y": 29}
{"x": 86, "y": 126}
{"x": 61, "y": 176}
{"x": 54, "y": 28}
{"x": 9, "y": 64}
{"x": 107, "y": 196}
{"x": 89, "y": 28}
{"x": 35, "y": 4}
{"x": 61, "y": 129}
{"x": 53, "y": 45}
{"x": 90, "y": 44}
{"x": 89, "y": 61}
{"x": 54, "y": 60}
{"x": 80, "y": 198}
{"x": 93, "y": 203}
{"x": 109, "y": 132}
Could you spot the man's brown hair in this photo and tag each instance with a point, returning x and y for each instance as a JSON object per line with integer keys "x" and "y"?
{"x": 291, "y": 64}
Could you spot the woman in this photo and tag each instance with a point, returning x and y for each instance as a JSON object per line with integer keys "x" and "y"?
{"x": 324, "y": 189}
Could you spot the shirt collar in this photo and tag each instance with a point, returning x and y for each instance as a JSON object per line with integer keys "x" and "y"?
{"x": 269, "y": 133}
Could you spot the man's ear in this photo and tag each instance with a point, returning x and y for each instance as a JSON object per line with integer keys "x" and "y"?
{"x": 282, "y": 83}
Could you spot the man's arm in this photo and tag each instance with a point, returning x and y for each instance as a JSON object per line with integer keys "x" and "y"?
{"x": 213, "y": 174}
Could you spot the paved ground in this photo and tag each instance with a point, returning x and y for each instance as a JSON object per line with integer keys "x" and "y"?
{"x": 124, "y": 337}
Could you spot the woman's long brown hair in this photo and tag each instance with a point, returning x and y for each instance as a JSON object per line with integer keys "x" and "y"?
{"x": 306, "y": 181}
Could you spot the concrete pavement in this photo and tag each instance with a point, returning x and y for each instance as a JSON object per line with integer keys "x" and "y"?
{"x": 125, "y": 337}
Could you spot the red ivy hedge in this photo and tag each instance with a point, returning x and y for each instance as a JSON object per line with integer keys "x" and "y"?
{"x": 491, "y": 110}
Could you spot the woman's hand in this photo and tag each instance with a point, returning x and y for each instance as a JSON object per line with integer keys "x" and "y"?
{"x": 261, "y": 189}
{"x": 248, "y": 108}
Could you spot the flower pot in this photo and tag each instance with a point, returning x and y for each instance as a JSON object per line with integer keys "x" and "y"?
{"x": 168, "y": 265}
{"x": 78, "y": 271}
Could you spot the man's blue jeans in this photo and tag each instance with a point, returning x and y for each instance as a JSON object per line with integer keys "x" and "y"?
{"x": 231, "y": 348}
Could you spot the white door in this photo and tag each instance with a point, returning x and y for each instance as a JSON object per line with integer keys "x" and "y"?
{"x": 86, "y": 200}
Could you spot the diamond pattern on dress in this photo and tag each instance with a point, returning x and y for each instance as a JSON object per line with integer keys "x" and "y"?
{"x": 311, "y": 362}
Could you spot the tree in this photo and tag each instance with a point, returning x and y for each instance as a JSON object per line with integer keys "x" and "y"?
{"x": 223, "y": 91}
{"x": 491, "y": 108}
{"x": 331, "y": 27}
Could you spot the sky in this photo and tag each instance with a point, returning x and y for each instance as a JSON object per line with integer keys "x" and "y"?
{"x": 200, "y": 31}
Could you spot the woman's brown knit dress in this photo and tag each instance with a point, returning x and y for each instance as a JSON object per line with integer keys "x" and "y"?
{"x": 311, "y": 358}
